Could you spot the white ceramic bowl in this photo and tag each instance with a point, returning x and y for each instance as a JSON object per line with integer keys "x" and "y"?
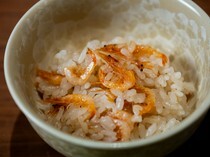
{"x": 178, "y": 27}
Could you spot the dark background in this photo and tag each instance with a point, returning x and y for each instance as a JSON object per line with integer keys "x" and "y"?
{"x": 18, "y": 139}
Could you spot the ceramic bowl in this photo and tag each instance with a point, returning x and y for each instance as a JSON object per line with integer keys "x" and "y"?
{"x": 179, "y": 28}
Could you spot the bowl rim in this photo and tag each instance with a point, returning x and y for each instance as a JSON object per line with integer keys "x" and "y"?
{"x": 37, "y": 120}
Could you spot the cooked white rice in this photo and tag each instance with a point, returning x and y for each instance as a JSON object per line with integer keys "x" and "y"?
{"x": 172, "y": 97}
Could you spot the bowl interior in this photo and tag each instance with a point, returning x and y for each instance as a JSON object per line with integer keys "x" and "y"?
{"x": 178, "y": 28}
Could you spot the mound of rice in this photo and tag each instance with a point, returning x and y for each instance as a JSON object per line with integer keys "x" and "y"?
{"x": 117, "y": 114}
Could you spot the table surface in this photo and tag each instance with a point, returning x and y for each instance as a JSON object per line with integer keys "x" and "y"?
{"x": 17, "y": 138}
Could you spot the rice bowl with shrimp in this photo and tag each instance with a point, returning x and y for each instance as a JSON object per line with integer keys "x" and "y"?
{"x": 113, "y": 91}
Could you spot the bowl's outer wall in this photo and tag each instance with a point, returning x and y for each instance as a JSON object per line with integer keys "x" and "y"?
{"x": 157, "y": 149}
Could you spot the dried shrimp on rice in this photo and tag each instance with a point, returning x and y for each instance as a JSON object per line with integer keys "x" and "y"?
{"x": 117, "y": 92}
